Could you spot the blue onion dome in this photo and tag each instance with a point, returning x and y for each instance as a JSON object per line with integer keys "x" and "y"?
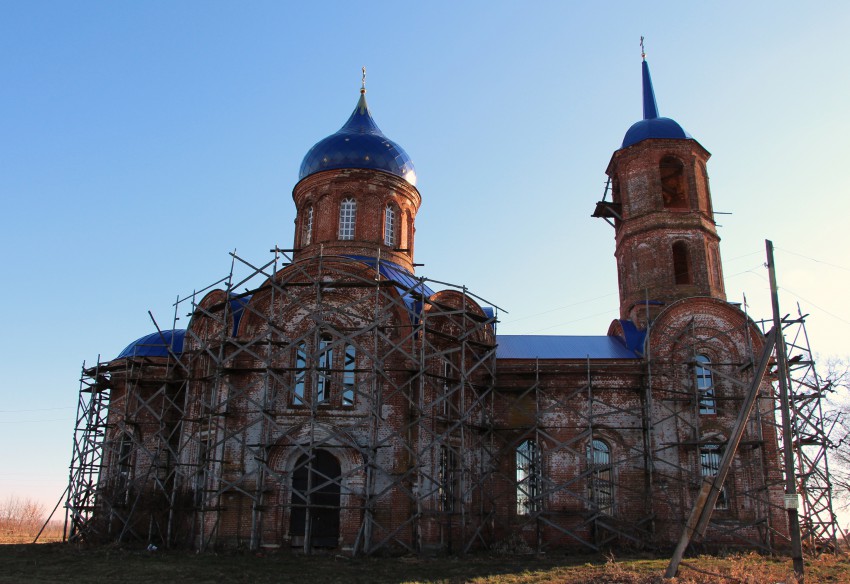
{"x": 359, "y": 144}
{"x": 652, "y": 126}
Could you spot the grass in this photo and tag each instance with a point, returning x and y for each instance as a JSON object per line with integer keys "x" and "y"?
{"x": 26, "y": 533}
{"x": 56, "y": 562}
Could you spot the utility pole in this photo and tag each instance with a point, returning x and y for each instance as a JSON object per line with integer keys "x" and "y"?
{"x": 791, "y": 498}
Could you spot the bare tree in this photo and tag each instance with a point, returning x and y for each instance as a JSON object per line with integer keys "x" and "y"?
{"x": 836, "y": 384}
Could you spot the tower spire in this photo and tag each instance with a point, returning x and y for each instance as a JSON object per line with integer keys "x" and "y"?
{"x": 650, "y": 108}
{"x": 363, "y": 81}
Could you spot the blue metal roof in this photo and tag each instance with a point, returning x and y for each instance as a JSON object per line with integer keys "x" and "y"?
{"x": 561, "y": 347}
{"x": 359, "y": 144}
{"x": 155, "y": 345}
{"x": 411, "y": 288}
{"x": 406, "y": 281}
{"x": 652, "y": 126}
{"x": 635, "y": 337}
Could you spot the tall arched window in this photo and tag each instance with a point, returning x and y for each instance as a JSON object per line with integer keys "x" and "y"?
{"x": 347, "y": 217}
{"x": 527, "y": 478}
{"x": 124, "y": 468}
{"x": 449, "y": 488}
{"x": 601, "y": 486}
{"x": 705, "y": 386}
{"x": 325, "y": 369}
{"x": 300, "y": 374}
{"x": 681, "y": 263}
{"x": 308, "y": 226}
{"x": 389, "y": 226}
{"x": 673, "y": 183}
{"x": 348, "y": 378}
{"x": 709, "y": 459}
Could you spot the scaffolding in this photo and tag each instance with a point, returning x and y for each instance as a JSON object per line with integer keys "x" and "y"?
{"x": 340, "y": 401}
{"x": 338, "y": 356}
{"x": 810, "y": 427}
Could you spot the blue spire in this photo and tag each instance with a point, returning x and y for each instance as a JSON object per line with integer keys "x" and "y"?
{"x": 650, "y": 108}
{"x": 652, "y": 125}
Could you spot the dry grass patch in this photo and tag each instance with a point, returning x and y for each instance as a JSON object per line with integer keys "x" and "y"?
{"x": 69, "y": 563}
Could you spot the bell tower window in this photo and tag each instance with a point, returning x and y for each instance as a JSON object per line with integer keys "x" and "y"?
{"x": 673, "y": 183}
{"x": 389, "y": 226}
{"x": 681, "y": 264}
{"x": 347, "y": 216}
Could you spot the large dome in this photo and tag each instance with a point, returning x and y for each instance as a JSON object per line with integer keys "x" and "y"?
{"x": 359, "y": 144}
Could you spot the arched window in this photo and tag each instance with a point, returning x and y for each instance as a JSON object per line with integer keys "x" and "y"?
{"x": 705, "y": 386}
{"x": 124, "y": 468}
{"x": 308, "y": 227}
{"x": 348, "y": 378}
{"x": 325, "y": 369}
{"x": 449, "y": 487}
{"x": 527, "y": 478}
{"x": 389, "y": 226}
{"x": 673, "y": 183}
{"x": 601, "y": 486}
{"x": 347, "y": 217}
{"x": 681, "y": 264}
{"x": 709, "y": 459}
{"x": 300, "y": 374}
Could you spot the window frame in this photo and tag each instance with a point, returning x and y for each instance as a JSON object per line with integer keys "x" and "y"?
{"x": 528, "y": 478}
{"x": 704, "y": 380}
{"x": 299, "y": 385}
{"x": 326, "y": 377}
{"x": 390, "y": 226}
{"x": 601, "y": 479}
{"x": 710, "y": 455}
{"x": 324, "y": 369}
{"x": 349, "y": 376}
{"x": 347, "y": 219}
{"x": 448, "y": 479}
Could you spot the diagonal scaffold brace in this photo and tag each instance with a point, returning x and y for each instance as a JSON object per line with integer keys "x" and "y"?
{"x": 711, "y": 486}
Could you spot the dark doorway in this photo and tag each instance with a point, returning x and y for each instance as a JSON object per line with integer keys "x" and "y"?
{"x": 315, "y": 494}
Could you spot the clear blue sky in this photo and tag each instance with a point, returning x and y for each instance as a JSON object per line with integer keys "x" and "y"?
{"x": 142, "y": 141}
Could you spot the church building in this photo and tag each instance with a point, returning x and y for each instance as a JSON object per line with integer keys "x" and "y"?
{"x": 336, "y": 399}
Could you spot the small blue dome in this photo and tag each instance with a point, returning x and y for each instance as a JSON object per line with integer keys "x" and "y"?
{"x": 359, "y": 144}
{"x": 652, "y": 126}
{"x": 155, "y": 345}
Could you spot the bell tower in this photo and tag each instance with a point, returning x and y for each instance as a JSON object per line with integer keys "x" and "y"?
{"x": 667, "y": 247}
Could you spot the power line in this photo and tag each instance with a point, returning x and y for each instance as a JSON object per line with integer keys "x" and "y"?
{"x": 845, "y": 268}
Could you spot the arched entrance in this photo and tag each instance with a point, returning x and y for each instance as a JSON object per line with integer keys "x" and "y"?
{"x": 314, "y": 517}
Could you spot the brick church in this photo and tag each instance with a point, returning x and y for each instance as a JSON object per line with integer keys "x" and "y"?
{"x": 336, "y": 399}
